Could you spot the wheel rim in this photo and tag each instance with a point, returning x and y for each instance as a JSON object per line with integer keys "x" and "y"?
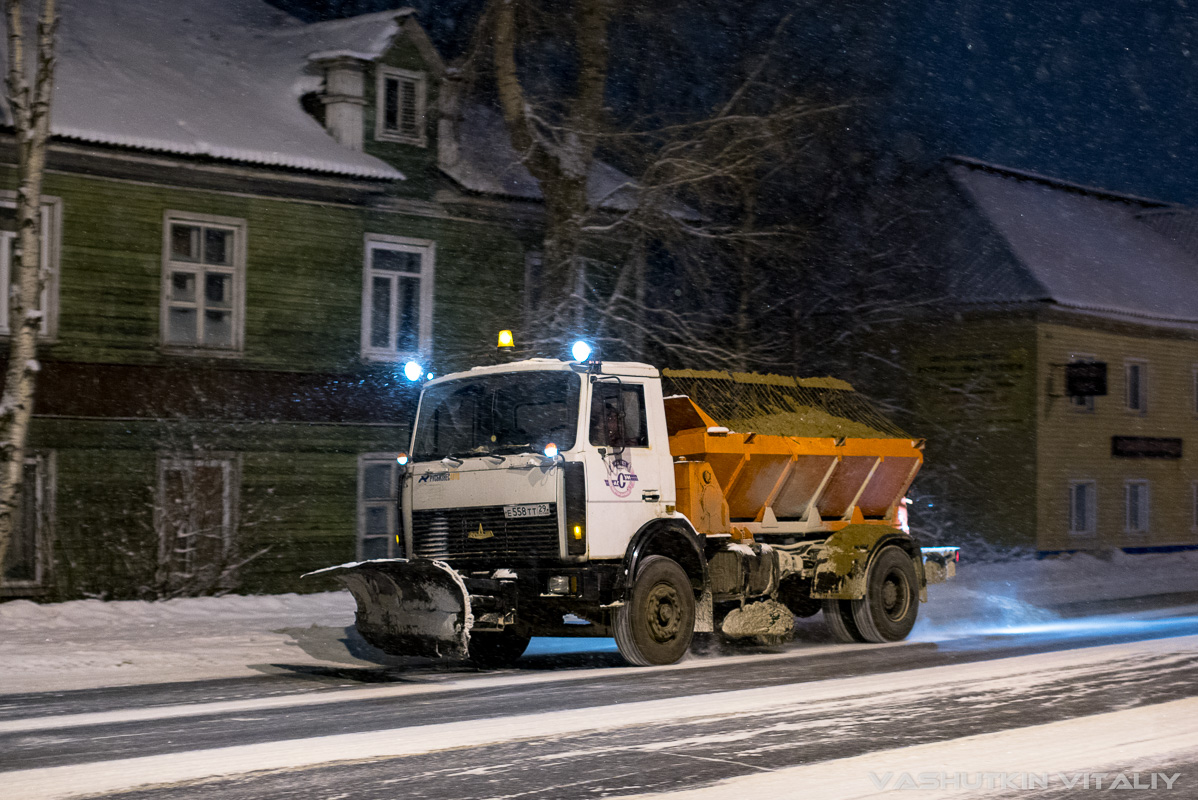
{"x": 663, "y": 612}
{"x": 896, "y": 595}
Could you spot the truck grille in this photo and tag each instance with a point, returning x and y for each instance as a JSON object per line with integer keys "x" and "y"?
{"x": 444, "y": 533}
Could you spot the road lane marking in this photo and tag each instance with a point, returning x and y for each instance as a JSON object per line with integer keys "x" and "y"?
{"x": 843, "y": 694}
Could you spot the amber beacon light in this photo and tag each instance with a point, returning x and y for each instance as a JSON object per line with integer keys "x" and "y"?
{"x": 506, "y": 340}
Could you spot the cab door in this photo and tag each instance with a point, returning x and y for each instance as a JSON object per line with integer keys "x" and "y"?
{"x": 630, "y": 474}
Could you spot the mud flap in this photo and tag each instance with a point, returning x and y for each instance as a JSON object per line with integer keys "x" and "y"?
{"x": 409, "y": 608}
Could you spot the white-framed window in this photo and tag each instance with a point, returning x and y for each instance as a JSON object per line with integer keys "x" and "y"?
{"x": 1082, "y": 403}
{"x": 51, "y": 222}
{"x": 1136, "y": 505}
{"x": 1135, "y": 385}
{"x": 378, "y": 523}
{"x": 26, "y": 563}
{"x": 400, "y": 106}
{"x": 195, "y": 520}
{"x": 1194, "y": 390}
{"x": 397, "y": 297}
{"x": 1083, "y": 508}
{"x": 203, "y": 282}
{"x": 1194, "y": 505}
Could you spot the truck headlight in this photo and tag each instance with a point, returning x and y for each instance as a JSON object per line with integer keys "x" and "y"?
{"x": 559, "y": 584}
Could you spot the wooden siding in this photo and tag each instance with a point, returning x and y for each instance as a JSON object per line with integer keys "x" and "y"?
{"x": 296, "y": 499}
{"x": 972, "y": 386}
{"x": 304, "y": 270}
{"x": 297, "y": 494}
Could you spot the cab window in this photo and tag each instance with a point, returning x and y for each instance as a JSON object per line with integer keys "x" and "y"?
{"x": 618, "y": 416}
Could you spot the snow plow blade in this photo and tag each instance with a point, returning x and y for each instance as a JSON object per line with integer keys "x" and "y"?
{"x": 409, "y": 608}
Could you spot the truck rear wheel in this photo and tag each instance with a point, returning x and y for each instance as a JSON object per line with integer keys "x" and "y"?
{"x": 500, "y": 649}
{"x": 657, "y": 621}
{"x": 891, "y": 603}
{"x": 838, "y": 615}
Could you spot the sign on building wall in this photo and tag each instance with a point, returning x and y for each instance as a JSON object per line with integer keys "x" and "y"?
{"x": 1145, "y": 447}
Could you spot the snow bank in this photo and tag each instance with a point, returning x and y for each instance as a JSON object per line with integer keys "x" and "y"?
{"x": 221, "y": 612}
{"x": 90, "y": 643}
{"x": 1001, "y": 595}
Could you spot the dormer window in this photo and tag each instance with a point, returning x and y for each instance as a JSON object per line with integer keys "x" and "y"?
{"x": 400, "y": 106}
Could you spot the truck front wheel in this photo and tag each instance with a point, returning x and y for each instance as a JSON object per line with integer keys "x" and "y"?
{"x": 891, "y": 603}
{"x": 657, "y": 620}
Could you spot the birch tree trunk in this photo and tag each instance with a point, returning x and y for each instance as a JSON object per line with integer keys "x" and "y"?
{"x": 30, "y": 108}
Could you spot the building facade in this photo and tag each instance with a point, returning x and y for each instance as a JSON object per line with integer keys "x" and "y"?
{"x": 250, "y": 225}
{"x": 1033, "y": 275}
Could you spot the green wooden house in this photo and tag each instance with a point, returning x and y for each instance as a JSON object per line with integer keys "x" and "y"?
{"x": 250, "y": 223}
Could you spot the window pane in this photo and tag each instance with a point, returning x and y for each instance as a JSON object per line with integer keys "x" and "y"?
{"x": 185, "y": 243}
{"x": 1135, "y": 387}
{"x": 218, "y": 290}
{"x": 397, "y": 260}
{"x": 217, "y": 246}
{"x": 407, "y": 339}
{"x": 195, "y": 530}
{"x": 618, "y": 416}
{"x": 380, "y": 312}
{"x": 208, "y": 487}
{"x": 1079, "y": 507}
{"x": 218, "y": 328}
{"x": 391, "y": 104}
{"x": 377, "y": 520}
{"x": 183, "y": 286}
{"x": 408, "y": 109}
{"x": 376, "y": 482}
{"x": 181, "y": 325}
{"x": 375, "y": 547}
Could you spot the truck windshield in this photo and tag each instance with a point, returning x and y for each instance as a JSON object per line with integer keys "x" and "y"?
{"x": 514, "y": 412}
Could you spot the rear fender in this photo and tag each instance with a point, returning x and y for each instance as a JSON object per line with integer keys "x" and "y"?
{"x": 842, "y": 561}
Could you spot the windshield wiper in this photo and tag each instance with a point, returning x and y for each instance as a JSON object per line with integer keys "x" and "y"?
{"x": 513, "y": 448}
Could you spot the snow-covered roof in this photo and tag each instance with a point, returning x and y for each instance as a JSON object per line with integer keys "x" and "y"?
{"x": 485, "y": 162}
{"x": 1078, "y": 247}
{"x": 216, "y": 78}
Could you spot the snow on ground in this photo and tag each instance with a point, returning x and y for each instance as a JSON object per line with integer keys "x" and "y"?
{"x": 1167, "y": 731}
{"x": 1028, "y": 592}
{"x": 89, "y": 643}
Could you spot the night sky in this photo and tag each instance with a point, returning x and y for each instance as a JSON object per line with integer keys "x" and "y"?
{"x": 1100, "y": 92}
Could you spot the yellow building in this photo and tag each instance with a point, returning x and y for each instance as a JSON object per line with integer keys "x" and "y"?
{"x": 1032, "y": 275}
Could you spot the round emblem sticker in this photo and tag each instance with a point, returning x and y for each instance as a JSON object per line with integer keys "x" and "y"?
{"x": 620, "y": 478}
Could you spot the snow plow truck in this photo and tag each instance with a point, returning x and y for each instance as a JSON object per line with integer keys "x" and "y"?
{"x": 596, "y": 498}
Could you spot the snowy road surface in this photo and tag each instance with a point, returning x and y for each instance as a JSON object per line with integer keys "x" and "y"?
{"x": 1067, "y": 700}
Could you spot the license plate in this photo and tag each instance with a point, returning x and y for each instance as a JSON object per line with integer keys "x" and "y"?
{"x": 529, "y": 510}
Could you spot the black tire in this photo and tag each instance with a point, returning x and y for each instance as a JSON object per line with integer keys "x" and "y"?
{"x": 838, "y": 615}
{"x": 500, "y": 649}
{"x": 657, "y": 621}
{"x": 891, "y": 603}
